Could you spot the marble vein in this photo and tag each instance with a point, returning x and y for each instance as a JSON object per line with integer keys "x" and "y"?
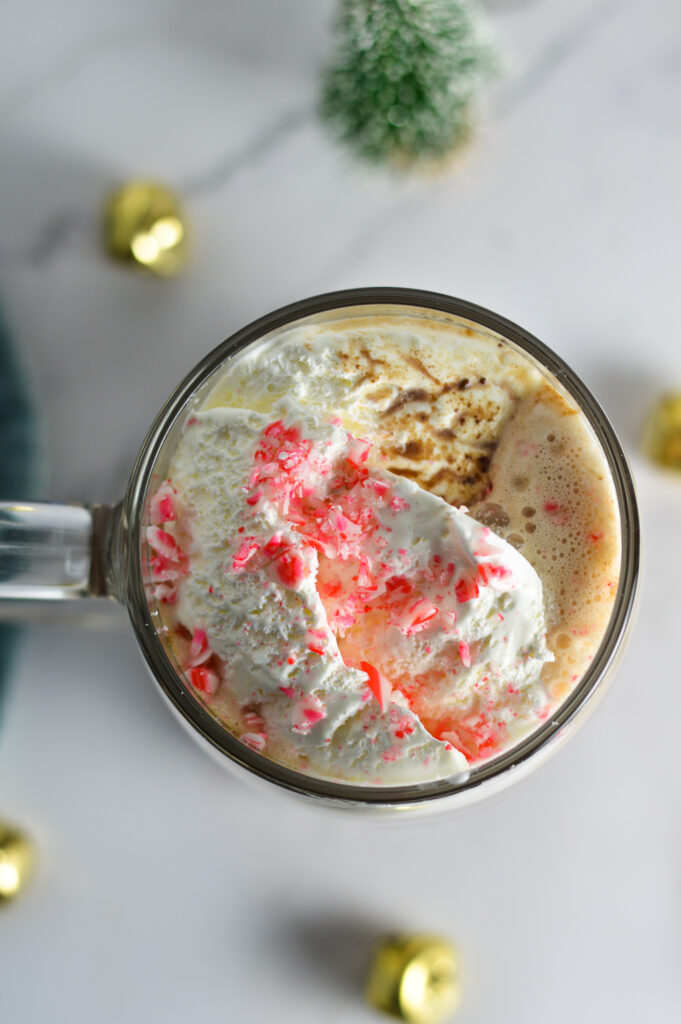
{"x": 554, "y": 56}
{"x": 270, "y": 138}
{"x": 50, "y": 239}
{"x": 57, "y": 231}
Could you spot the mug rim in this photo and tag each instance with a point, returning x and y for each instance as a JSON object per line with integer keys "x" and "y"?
{"x": 488, "y": 776}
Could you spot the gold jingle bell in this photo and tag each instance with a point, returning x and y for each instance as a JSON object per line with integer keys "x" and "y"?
{"x": 16, "y": 861}
{"x": 415, "y": 978}
{"x": 144, "y": 226}
{"x": 662, "y": 439}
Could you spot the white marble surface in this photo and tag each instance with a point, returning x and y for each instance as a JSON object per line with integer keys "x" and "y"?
{"x": 168, "y": 891}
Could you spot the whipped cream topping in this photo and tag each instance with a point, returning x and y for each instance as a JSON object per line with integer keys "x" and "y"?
{"x": 337, "y": 617}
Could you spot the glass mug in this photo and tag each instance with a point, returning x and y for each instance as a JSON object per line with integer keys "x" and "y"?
{"x": 61, "y": 552}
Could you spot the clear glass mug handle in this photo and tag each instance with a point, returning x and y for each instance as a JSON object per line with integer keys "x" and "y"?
{"x": 53, "y": 552}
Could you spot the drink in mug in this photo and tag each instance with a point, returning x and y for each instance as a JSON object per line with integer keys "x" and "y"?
{"x": 380, "y": 548}
{"x": 389, "y": 547}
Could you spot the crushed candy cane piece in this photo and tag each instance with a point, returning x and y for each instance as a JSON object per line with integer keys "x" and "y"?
{"x": 255, "y": 740}
{"x": 244, "y": 554}
{"x": 199, "y": 651}
{"x": 307, "y": 713}
{"x": 162, "y": 507}
{"x": 204, "y": 679}
{"x": 378, "y": 684}
{"x": 291, "y": 570}
{"x": 418, "y": 617}
{"x": 164, "y": 542}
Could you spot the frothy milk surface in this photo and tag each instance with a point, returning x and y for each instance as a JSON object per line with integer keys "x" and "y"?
{"x": 386, "y": 548}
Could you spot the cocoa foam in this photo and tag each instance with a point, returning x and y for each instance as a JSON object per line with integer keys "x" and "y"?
{"x": 552, "y": 497}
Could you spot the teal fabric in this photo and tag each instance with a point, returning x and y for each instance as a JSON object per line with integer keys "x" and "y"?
{"x": 18, "y": 462}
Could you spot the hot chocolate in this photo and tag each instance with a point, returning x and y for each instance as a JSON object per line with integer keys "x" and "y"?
{"x": 386, "y": 549}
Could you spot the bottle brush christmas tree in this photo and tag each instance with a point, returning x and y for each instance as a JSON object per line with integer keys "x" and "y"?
{"x": 401, "y": 83}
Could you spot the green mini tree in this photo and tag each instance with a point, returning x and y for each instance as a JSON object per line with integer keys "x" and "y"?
{"x": 401, "y": 82}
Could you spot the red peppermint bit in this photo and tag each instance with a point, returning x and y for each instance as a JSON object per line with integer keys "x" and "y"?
{"x": 165, "y": 509}
{"x": 398, "y": 504}
{"x": 402, "y": 725}
{"x": 254, "y": 720}
{"x": 364, "y": 577}
{"x": 164, "y": 542}
{"x": 466, "y": 589}
{"x": 378, "y": 684}
{"x": 558, "y": 514}
{"x": 255, "y": 740}
{"x": 163, "y": 569}
{"x": 343, "y": 523}
{"x": 253, "y": 499}
{"x": 275, "y": 429}
{"x": 358, "y": 451}
{"x": 248, "y": 548}
{"x": 316, "y": 639}
{"x": 340, "y": 621}
{"x": 274, "y": 545}
{"x": 399, "y": 583}
{"x": 199, "y": 651}
{"x": 418, "y": 616}
{"x": 307, "y": 713}
{"x": 290, "y": 660}
{"x": 380, "y": 487}
{"x": 465, "y": 654}
{"x": 497, "y": 572}
{"x": 291, "y": 570}
{"x": 322, "y": 546}
{"x": 162, "y": 509}
{"x": 596, "y": 537}
{"x": 203, "y": 679}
